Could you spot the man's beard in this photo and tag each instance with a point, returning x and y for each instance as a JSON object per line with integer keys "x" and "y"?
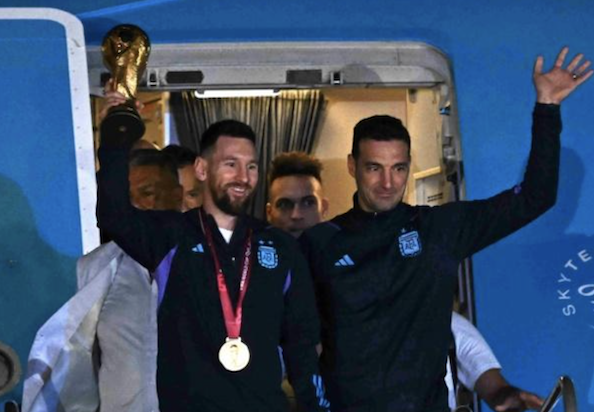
{"x": 223, "y": 201}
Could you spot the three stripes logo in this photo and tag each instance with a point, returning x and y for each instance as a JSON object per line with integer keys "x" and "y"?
{"x": 345, "y": 261}
{"x": 198, "y": 248}
{"x": 321, "y": 392}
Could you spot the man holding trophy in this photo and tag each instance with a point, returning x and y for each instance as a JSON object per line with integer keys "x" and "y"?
{"x": 236, "y": 290}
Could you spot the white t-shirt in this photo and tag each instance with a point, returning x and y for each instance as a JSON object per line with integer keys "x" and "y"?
{"x": 473, "y": 356}
{"x": 226, "y": 234}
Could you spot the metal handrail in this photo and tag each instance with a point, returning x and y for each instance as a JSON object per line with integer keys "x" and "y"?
{"x": 565, "y": 389}
{"x": 11, "y": 406}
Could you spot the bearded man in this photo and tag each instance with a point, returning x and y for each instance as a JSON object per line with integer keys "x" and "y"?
{"x": 218, "y": 343}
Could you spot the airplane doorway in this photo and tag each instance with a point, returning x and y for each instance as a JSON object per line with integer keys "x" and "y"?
{"x": 409, "y": 80}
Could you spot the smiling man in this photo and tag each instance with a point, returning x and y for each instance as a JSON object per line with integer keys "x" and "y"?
{"x": 218, "y": 343}
{"x": 380, "y": 162}
{"x": 385, "y": 272}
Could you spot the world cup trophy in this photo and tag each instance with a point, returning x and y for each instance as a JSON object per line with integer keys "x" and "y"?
{"x": 125, "y": 50}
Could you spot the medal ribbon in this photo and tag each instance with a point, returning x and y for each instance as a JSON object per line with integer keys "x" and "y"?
{"x": 232, "y": 318}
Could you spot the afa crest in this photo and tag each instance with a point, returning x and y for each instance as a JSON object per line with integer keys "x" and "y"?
{"x": 410, "y": 244}
{"x": 267, "y": 257}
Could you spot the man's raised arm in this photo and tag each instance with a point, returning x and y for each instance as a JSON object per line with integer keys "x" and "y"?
{"x": 145, "y": 235}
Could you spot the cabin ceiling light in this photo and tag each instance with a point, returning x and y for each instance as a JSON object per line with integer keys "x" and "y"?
{"x": 208, "y": 94}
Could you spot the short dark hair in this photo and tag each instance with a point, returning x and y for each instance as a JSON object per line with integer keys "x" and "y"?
{"x": 382, "y": 128}
{"x": 228, "y": 127}
{"x": 181, "y": 155}
{"x": 153, "y": 157}
{"x": 295, "y": 163}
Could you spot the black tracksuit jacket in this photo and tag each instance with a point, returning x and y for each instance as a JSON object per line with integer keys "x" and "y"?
{"x": 385, "y": 283}
{"x": 279, "y": 307}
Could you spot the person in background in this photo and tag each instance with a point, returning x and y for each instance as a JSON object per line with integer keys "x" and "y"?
{"x": 185, "y": 159}
{"x": 99, "y": 351}
{"x": 295, "y": 195}
{"x": 478, "y": 370}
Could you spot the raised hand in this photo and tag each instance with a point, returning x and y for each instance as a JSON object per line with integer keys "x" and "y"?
{"x": 558, "y": 83}
{"x": 113, "y": 98}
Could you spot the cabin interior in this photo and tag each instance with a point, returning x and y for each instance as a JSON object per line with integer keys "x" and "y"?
{"x": 433, "y": 180}
{"x": 341, "y": 110}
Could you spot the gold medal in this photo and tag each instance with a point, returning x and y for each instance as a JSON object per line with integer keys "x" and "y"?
{"x": 234, "y": 355}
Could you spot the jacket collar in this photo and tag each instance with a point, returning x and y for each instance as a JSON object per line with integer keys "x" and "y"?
{"x": 359, "y": 213}
{"x": 359, "y": 220}
{"x": 244, "y": 222}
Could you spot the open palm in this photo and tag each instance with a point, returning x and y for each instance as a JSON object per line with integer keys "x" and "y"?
{"x": 558, "y": 83}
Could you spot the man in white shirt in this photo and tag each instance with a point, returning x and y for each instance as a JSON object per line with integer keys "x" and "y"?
{"x": 99, "y": 351}
{"x": 478, "y": 370}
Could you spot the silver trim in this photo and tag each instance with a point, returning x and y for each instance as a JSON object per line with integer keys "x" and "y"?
{"x": 563, "y": 389}
{"x": 14, "y": 368}
{"x": 265, "y": 65}
{"x": 81, "y": 113}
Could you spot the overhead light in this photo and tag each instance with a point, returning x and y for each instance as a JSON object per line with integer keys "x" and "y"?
{"x": 209, "y": 94}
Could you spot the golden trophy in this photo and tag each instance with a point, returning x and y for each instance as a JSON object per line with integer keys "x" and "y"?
{"x": 125, "y": 49}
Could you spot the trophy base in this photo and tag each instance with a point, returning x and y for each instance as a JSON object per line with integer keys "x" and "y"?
{"x": 122, "y": 125}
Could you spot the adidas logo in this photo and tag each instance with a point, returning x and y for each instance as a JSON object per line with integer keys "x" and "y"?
{"x": 345, "y": 261}
{"x": 198, "y": 248}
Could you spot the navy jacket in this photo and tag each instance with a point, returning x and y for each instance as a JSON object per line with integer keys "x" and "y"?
{"x": 385, "y": 283}
{"x": 279, "y": 308}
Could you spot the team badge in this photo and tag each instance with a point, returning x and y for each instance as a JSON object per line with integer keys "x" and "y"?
{"x": 410, "y": 244}
{"x": 267, "y": 257}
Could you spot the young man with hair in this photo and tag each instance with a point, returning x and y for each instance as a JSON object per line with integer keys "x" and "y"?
{"x": 385, "y": 272}
{"x": 99, "y": 351}
{"x": 236, "y": 291}
{"x": 185, "y": 159}
{"x": 295, "y": 197}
